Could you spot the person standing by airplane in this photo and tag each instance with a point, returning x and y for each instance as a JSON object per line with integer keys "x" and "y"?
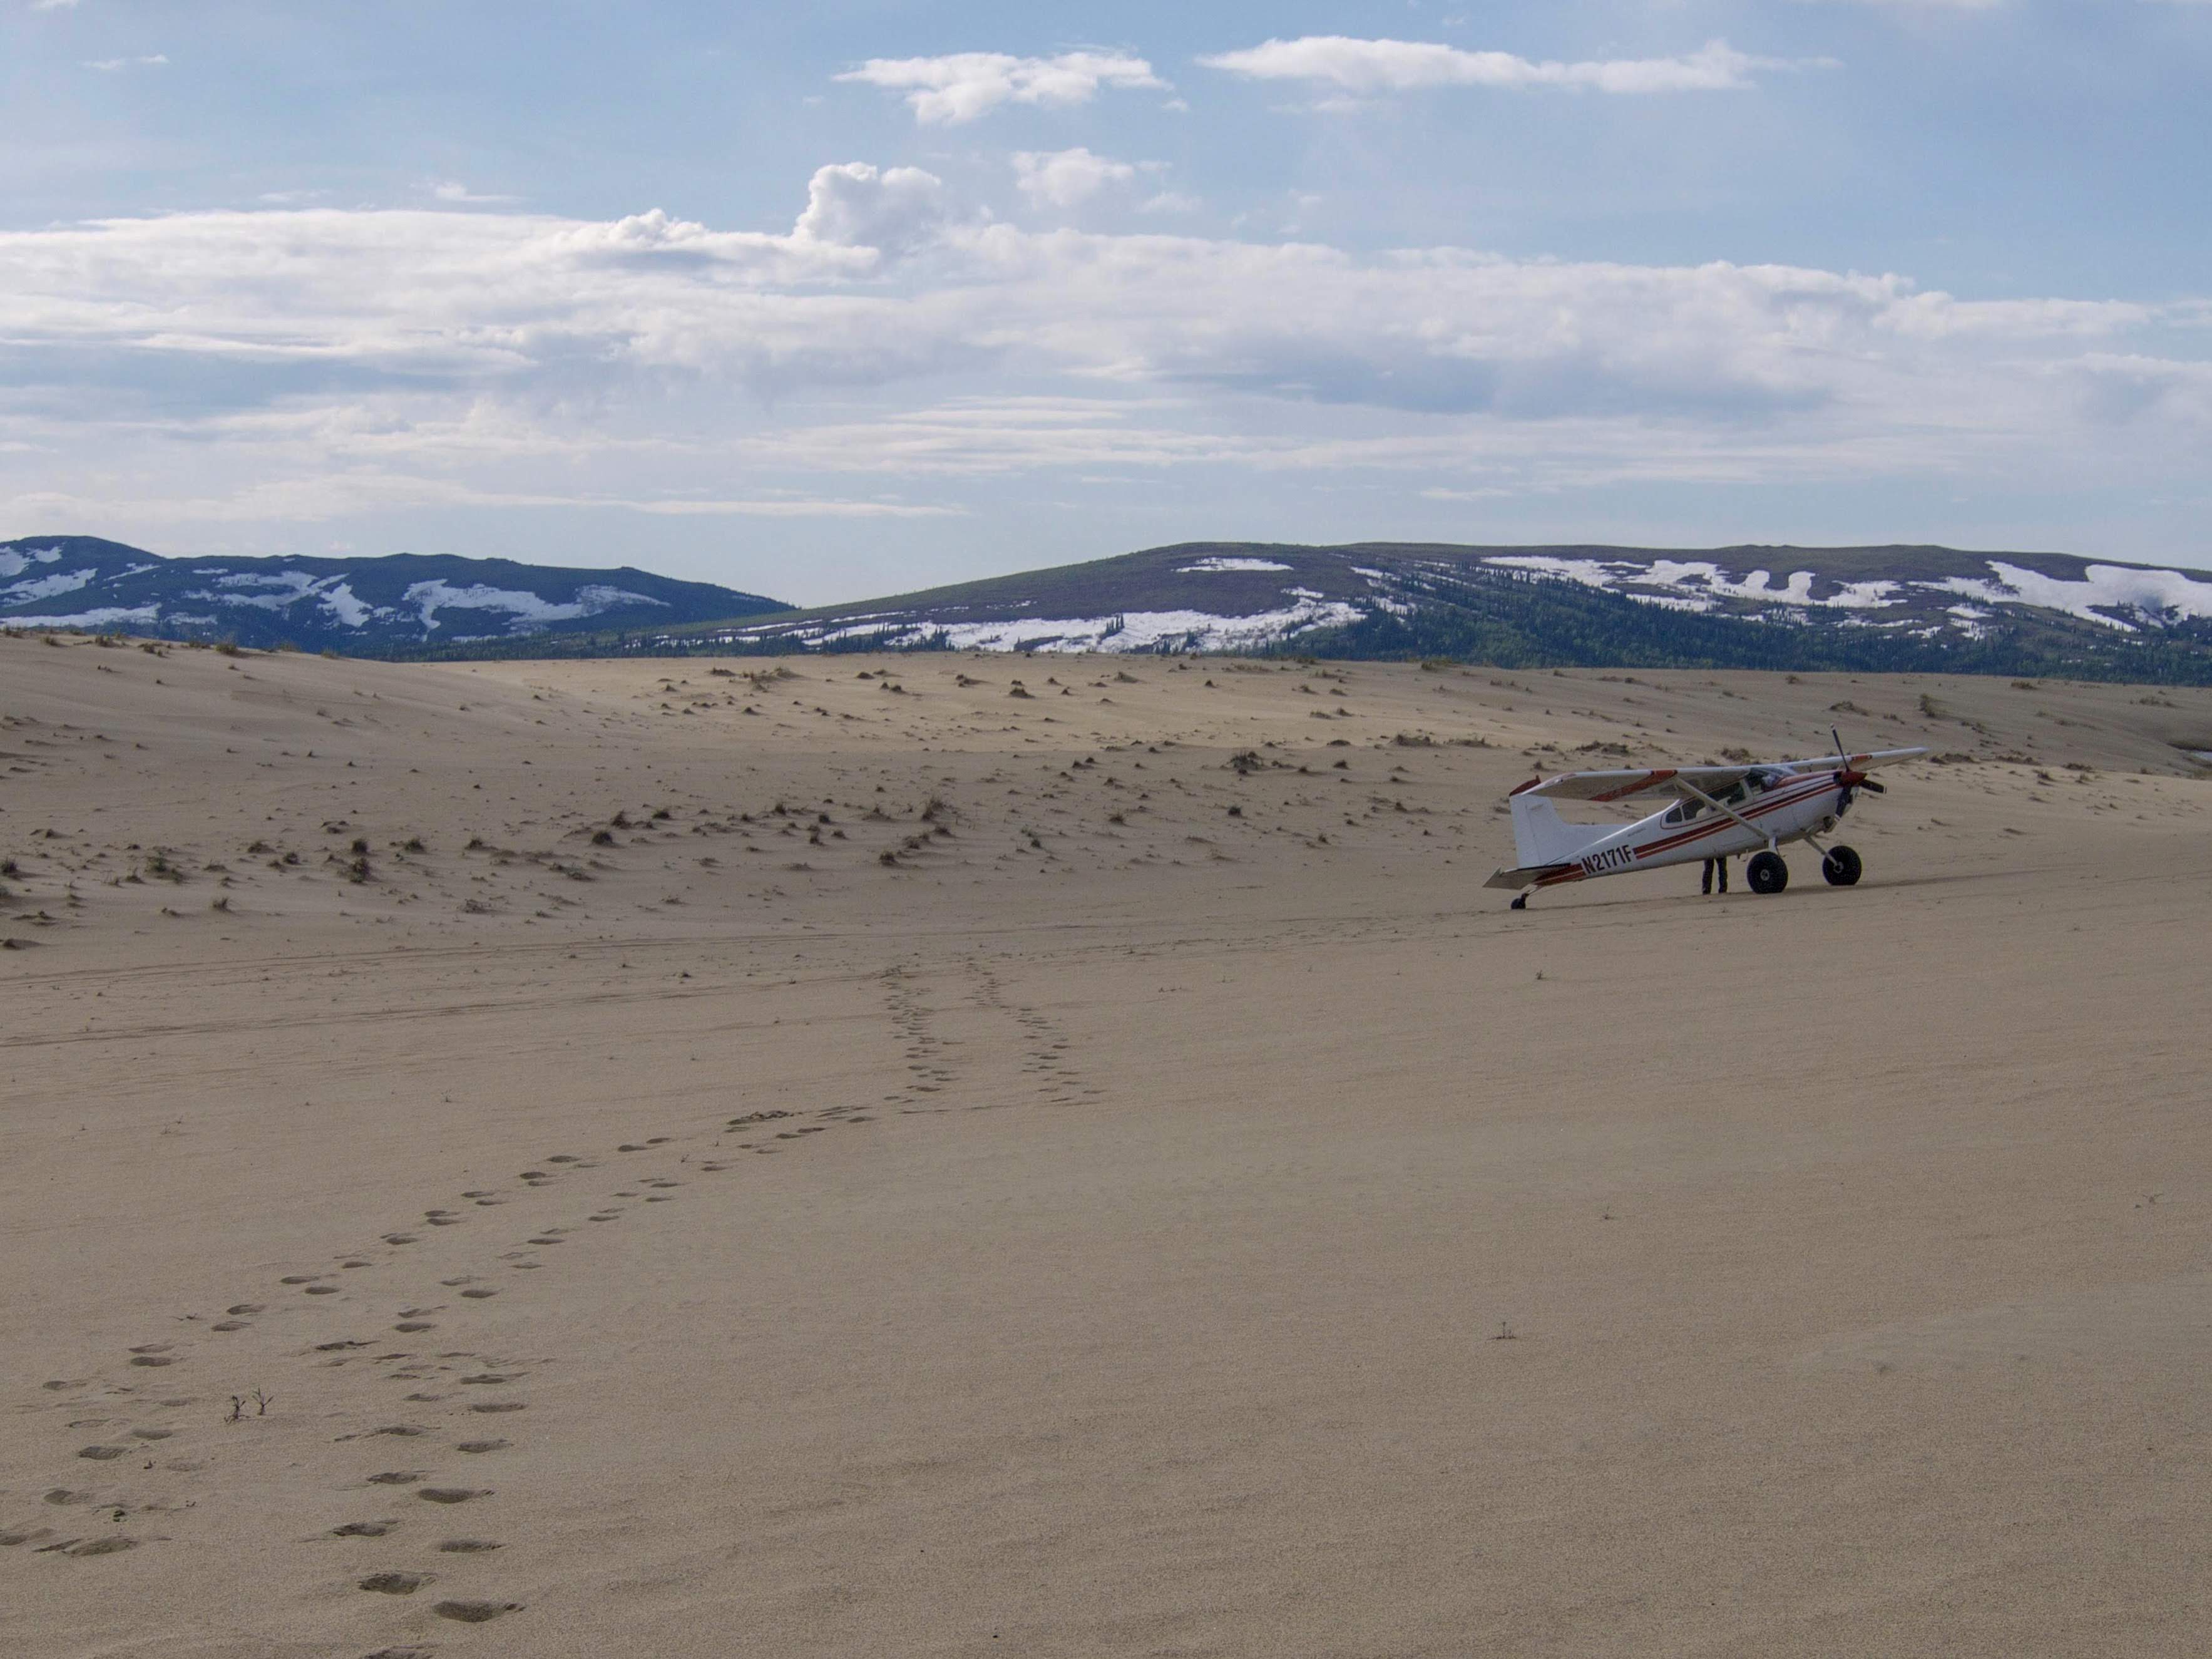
{"x": 1705, "y": 886}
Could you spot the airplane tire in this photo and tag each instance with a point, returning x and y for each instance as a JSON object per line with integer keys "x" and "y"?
{"x": 1841, "y": 868}
{"x": 1767, "y": 872}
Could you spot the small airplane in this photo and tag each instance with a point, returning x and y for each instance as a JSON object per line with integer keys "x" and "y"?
{"x": 1718, "y": 813}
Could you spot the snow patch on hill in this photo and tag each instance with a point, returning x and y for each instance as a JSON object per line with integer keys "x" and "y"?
{"x": 45, "y": 588}
{"x": 1700, "y": 580}
{"x": 1222, "y": 562}
{"x": 2153, "y": 595}
{"x": 14, "y": 562}
{"x": 1126, "y": 631}
{"x": 523, "y": 609}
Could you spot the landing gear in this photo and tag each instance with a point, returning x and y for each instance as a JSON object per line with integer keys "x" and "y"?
{"x": 1520, "y": 903}
{"x": 1841, "y": 867}
{"x": 1767, "y": 872}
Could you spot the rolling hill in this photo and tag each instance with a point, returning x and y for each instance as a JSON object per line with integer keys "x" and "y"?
{"x": 401, "y": 603}
{"x": 1860, "y": 608}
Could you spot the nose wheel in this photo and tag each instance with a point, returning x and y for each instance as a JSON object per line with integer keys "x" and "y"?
{"x": 1840, "y": 866}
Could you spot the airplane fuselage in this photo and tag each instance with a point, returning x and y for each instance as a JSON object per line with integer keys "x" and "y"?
{"x": 1797, "y": 807}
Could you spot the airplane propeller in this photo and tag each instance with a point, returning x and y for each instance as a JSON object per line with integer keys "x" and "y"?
{"x": 1849, "y": 779}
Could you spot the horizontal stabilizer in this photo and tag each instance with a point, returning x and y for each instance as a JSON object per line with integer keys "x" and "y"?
{"x": 1527, "y": 876}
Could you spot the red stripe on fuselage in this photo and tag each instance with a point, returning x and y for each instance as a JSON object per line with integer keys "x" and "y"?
{"x": 1788, "y": 796}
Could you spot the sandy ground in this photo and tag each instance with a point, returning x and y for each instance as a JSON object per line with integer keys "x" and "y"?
{"x": 866, "y": 1162}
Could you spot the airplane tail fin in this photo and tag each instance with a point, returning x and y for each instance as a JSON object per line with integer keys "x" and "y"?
{"x": 1540, "y": 836}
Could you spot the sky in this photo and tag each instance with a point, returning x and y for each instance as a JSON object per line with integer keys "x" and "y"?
{"x": 862, "y": 296}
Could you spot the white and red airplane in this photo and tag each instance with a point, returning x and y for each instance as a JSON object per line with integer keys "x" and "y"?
{"x": 1719, "y": 811}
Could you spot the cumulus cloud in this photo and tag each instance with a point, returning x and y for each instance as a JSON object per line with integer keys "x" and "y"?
{"x": 1365, "y": 68}
{"x": 962, "y": 86}
{"x": 1064, "y": 178}
{"x": 894, "y": 211}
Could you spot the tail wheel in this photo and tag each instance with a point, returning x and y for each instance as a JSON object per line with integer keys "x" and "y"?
{"x": 1768, "y": 873}
{"x": 1841, "y": 868}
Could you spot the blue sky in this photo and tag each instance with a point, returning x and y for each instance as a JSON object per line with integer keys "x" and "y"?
{"x": 837, "y": 300}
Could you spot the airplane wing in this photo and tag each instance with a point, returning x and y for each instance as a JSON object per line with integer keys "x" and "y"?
{"x": 1710, "y": 780}
{"x": 1624, "y": 786}
{"x": 1860, "y": 762}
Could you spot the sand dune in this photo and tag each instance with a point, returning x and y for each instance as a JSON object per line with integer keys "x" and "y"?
{"x": 950, "y": 1155}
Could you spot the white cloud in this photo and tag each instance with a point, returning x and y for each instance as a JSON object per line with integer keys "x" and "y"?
{"x": 1364, "y": 68}
{"x": 295, "y": 365}
{"x": 53, "y": 5}
{"x": 897, "y": 210}
{"x": 453, "y": 190}
{"x": 1064, "y": 178}
{"x": 110, "y": 65}
{"x": 961, "y": 86}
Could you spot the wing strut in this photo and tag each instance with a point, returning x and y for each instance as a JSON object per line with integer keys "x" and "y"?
{"x": 1722, "y": 806}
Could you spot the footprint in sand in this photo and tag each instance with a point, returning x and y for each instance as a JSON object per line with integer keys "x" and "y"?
{"x": 478, "y": 1294}
{"x": 410, "y": 1326}
{"x": 468, "y": 1546}
{"x": 452, "y": 1494}
{"x": 475, "y": 1613}
{"x": 363, "y": 1529}
{"x": 483, "y": 1445}
{"x": 396, "y": 1478}
{"x": 322, "y": 1290}
{"x": 232, "y": 1325}
{"x": 396, "y": 1584}
{"x": 492, "y": 1406}
{"x": 103, "y": 1453}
